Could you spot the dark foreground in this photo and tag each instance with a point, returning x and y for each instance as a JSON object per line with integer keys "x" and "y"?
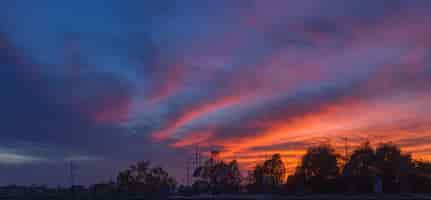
{"x": 231, "y": 197}
{"x": 307, "y": 197}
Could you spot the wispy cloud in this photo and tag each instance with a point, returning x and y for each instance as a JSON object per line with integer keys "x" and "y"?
{"x": 248, "y": 77}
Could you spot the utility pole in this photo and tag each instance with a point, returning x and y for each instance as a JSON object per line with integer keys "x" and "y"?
{"x": 72, "y": 179}
{"x": 189, "y": 166}
{"x": 198, "y": 157}
{"x": 196, "y": 161}
{"x": 71, "y": 174}
{"x": 187, "y": 173}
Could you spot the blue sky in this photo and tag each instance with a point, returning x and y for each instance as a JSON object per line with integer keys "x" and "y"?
{"x": 108, "y": 83}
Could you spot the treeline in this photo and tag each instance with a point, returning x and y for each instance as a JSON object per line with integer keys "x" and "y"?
{"x": 144, "y": 179}
{"x": 137, "y": 181}
{"x": 384, "y": 169}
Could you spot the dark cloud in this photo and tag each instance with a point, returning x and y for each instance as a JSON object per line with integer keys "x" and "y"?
{"x": 202, "y": 72}
{"x": 286, "y": 107}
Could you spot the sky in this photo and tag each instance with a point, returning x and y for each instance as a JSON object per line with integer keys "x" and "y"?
{"x": 106, "y": 83}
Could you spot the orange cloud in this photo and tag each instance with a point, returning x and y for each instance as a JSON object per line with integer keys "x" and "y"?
{"x": 378, "y": 121}
{"x": 193, "y": 139}
{"x": 194, "y": 114}
{"x": 372, "y": 108}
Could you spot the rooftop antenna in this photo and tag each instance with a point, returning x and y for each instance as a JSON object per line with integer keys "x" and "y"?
{"x": 346, "y": 148}
{"x": 197, "y": 161}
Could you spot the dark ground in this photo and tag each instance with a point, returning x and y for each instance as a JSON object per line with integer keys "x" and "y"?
{"x": 308, "y": 197}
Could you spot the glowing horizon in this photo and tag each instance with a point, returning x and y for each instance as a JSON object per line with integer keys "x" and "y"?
{"x": 109, "y": 85}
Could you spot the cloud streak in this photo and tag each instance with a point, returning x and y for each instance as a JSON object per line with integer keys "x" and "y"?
{"x": 249, "y": 78}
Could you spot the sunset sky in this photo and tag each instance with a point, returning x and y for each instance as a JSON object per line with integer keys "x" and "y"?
{"x": 106, "y": 83}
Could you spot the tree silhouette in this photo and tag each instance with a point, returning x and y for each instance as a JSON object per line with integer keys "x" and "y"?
{"x": 422, "y": 179}
{"x": 268, "y": 176}
{"x": 360, "y": 162}
{"x": 274, "y": 170}
{"x": 219, "y": 176}
{"x": 319, "y": 171}
{"x": 125, "y": 179}
{"x": 319, "y": 167}
{"x": 320, "y": 162}
{"x": 358, "y": 171}
{"x": 140, "y": 178}
{"x": 387, "y": 163}
{"x": 255, "y": 179}
{"x": 233, "y": 176}
{"x": 423, "y": 167}
{"x": 393, "y": 167}
{"x": 296, "y": 182}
